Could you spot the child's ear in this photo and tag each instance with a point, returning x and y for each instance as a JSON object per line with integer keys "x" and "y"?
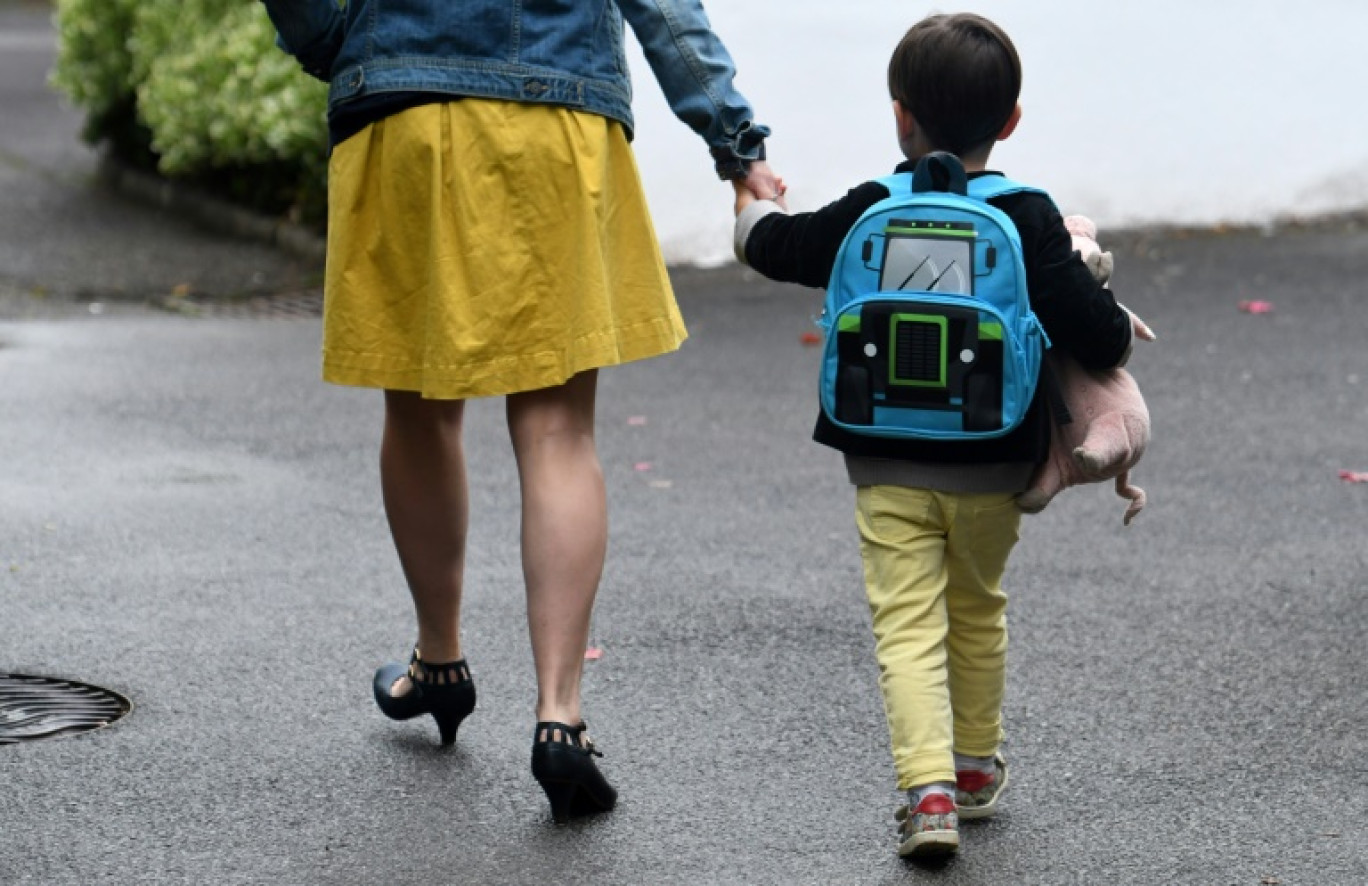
{"x": 906, "y": 124}
{"x": 1010, "y": 126}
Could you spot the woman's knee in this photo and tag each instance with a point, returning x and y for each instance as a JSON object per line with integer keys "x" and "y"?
{"x": 407, "y": 412}
{"x": 563, "y": 415}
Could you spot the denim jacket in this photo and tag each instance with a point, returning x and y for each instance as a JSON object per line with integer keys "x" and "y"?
{"x": 564, "y": 52}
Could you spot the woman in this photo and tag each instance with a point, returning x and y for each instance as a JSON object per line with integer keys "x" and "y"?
{"x": 488, "y": 236}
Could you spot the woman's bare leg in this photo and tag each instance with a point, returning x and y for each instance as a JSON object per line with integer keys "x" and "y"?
{"x": 564, "y": 533}
{"x": 423, "y": 479}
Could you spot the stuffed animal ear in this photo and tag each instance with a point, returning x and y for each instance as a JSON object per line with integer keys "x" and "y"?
{"x": 1083, "y": 233}
{"x": 1105, "y": 265}
{"x": 1100, "y": 264}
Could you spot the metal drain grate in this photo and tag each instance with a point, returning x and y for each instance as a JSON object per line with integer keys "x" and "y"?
{"x": 284, "y": 306}
{"x": 34, "y": 708}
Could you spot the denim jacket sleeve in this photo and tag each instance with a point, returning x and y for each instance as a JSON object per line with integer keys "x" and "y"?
{"x": 695, "y": 72}
{"x": 310, "y": 30}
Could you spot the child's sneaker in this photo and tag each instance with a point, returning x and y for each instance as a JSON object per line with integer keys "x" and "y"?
{"x": 932, "y": 829}
{"x": 976, "y": 793}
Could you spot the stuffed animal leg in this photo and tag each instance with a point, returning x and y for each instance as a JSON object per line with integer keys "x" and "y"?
{"x": 1108, "y": 426}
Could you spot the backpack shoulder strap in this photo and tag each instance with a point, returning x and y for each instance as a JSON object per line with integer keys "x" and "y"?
{"x": 982, "y": 188}
{"x": 899, "y": 183}
{"x": 986, "y": 187}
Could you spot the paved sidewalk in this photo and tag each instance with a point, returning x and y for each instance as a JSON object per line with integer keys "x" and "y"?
{"x": 63, "y": 237}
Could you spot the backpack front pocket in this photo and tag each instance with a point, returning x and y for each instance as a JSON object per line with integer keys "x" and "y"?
{"x": 922, "y": 366}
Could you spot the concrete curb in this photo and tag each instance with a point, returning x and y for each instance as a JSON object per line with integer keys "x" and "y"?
{"x": 230, "y": 219}
{"x": 210, "y": 212}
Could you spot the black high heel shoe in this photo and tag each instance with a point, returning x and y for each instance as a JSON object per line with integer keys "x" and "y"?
{"x": 563, "y": 764}
{"x": 443, "y": 690}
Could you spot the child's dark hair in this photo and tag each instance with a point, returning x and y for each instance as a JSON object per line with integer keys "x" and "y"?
{"x": 960, "y": 77}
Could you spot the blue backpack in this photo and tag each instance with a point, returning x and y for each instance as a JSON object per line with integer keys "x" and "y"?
{"x": 929, "y": 331}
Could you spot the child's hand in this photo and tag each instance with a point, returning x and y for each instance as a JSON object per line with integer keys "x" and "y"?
{"x": 1138, "y": 326}
{"x": 744, "y": 197}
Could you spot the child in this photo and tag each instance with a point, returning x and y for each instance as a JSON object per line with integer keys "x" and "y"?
{"x": 938, "y": 520}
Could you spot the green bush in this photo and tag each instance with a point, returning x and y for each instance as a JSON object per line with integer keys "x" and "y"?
{"x": 95, "y": 68}
{"x": 199, "y": 88}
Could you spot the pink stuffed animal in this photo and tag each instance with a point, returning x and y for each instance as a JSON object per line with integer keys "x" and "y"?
{"x": 1109, "y": 425}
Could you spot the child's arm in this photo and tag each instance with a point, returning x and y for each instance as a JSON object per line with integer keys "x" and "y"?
{"x": 1083, "y": 234}
{"x": 1079, "y": 314}
{"x": 799, "y": 248}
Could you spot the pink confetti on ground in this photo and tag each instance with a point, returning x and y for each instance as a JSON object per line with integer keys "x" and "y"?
{"x": 1256, "y": 307}
{"x": 642, "y": 466}
{"x": 637, "y": 421}
{"x": 1354, "y": 476}
{"x": 593, "y": 653}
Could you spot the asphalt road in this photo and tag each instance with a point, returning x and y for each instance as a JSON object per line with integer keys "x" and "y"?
{"x": 188, "y": 516}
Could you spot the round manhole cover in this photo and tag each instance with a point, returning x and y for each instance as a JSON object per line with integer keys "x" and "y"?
{"x": 34, "y": 708}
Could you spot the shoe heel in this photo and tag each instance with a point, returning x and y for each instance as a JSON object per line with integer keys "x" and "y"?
{"x": 448, "y": 721}
{"x": 561, "y": 795}
{"x": 563, "y": 764}
{"x": 450, "y": 706}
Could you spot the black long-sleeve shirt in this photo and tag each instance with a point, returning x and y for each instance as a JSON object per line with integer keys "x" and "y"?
{"x": 1079, "y": 315}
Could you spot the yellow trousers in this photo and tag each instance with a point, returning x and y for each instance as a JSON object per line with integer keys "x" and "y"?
{"x": 933, "y": 565}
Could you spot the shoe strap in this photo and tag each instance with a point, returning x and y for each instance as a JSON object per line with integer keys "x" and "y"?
{"x": 555, "y": 732}
{"x": 448, "y": 673}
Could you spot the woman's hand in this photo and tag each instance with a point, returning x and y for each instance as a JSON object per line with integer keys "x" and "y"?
{"x": 761, "y": 183}
{"x": 764, "y": 182}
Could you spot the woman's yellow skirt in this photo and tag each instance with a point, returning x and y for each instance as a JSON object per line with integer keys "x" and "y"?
{"x": 479, "y": 248}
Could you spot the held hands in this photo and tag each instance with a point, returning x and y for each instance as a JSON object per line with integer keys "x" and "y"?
{"x": 760, "y": 183}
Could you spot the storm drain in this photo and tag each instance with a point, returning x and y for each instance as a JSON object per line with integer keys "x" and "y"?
{"x": 284, "y": 306}
{"x": 34, "y": 708}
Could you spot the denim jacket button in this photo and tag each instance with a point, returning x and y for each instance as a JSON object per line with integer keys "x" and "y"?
{"x": 534, "y": 87}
